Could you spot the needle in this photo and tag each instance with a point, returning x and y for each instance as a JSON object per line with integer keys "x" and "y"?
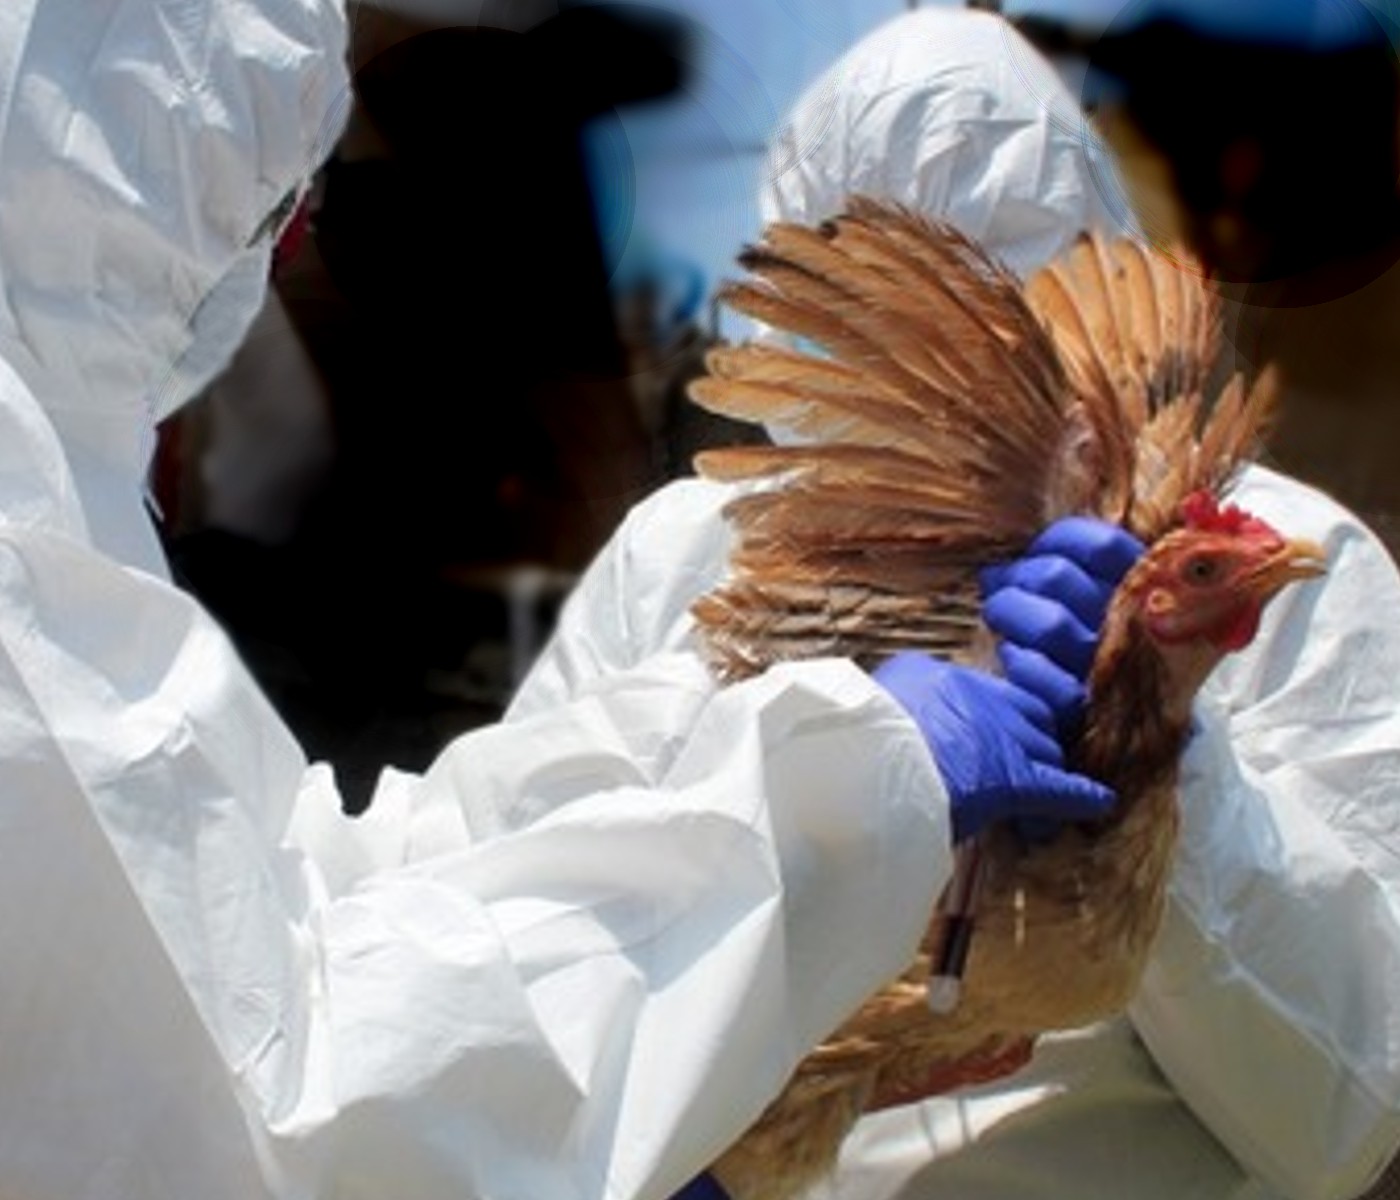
{"x": 958, "y": 907}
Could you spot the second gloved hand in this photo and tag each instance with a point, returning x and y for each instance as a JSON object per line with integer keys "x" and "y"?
{"x": 1049, "y": 605}
{"x": 994, "y": 744}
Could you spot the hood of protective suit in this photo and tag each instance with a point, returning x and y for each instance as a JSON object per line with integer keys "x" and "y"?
{"x": 150, "y": 151}
{"x": 956, "y": 115}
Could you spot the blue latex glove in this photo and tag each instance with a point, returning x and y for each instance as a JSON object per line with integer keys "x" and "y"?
{"x": 1048, "y": 608}
{"x": 702, "y": 1187}
{"x": 994, "y": 744}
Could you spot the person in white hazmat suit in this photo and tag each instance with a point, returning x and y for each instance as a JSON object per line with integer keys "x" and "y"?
{"x": 573, "y": 961}
{"x": 1262, "y": 1056}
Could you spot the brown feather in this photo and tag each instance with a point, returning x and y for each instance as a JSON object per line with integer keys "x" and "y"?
{"x": 1005, "y": 328}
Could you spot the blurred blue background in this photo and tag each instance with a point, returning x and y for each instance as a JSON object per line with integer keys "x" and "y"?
{"x": 676, "y": 180}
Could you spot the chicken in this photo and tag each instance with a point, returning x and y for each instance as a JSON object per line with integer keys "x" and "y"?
{"x": 950, "y": 415}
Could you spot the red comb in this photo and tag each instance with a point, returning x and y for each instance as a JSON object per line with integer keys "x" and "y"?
{"x": 1202, "y": 511}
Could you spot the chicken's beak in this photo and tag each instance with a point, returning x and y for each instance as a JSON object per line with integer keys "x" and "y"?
{"x": 1295, "y": 560}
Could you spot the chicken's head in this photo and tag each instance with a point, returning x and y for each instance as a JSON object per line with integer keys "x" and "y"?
{"x": 1200, "y": 591}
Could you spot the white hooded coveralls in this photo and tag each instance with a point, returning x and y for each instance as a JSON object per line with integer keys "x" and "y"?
{"x": 1263, "y": 1054}
{"x": 574, "y": 961}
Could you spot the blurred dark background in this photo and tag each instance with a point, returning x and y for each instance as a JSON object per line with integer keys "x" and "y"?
{"x": 474, "y": 352}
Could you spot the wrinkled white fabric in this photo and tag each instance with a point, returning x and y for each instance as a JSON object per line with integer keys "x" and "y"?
{"x": 148, "y": 150}
{"x": 1271, "y": 1002}
{"x": 573, "y": 961}
{"x": 954, "y": 114}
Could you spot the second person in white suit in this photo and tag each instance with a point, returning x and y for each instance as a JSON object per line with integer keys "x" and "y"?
{"x": 1262, "y": 1057}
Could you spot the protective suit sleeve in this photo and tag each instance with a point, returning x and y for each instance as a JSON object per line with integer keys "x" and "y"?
{"x": 1271, "y": 1001}
{"x": 634, "y": 599}
{"x": 578, "y": 957}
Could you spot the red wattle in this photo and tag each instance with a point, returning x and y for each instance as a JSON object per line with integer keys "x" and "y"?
{"x": 1240, "y": 632}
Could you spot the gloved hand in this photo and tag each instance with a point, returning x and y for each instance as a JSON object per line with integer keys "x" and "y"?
{"x": 702, "y": 1187}
{"x": 1048, "y": 608}
{"x": 994, "y": 744}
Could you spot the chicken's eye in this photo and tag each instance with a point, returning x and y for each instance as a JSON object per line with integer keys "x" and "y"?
{"x": 1201, "y": 569}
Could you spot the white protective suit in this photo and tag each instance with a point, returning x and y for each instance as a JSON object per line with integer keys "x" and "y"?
{"x": 574, "y": 961}
{"x": 954, "y": 114}
{"x": 1262, "y": 1058}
